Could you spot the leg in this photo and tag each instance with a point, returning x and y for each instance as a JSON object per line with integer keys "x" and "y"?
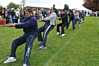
{"x": 40, "y": 38}
{"x": 79, "y": 21}
{"x": 43, "y": 43}
{"x": 70, "y": 19}
{"x": 62, "y": 28}
{"x": 58, "y": 29}
{"x": 67, "y": 24}
{"x": 73, "y": 23}
{"x": 17, "y": 42}
{"x": 28, "y": 48}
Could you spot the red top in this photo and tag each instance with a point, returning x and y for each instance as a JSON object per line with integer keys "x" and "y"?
{"x": 2, "y": 21}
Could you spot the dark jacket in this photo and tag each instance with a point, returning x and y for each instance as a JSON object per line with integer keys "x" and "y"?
{"x": 28, "y": 24}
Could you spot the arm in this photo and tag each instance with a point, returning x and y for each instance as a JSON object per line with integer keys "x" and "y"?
{"x": 30, "y": 23}
{"x": 8, "y": 25}
{"x": 48, "y": 18}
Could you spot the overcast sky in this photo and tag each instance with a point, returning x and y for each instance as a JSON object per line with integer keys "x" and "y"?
{"x": 47, "y": 3}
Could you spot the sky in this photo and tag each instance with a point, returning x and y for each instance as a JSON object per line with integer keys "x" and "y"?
{"x": 47, "y": 3}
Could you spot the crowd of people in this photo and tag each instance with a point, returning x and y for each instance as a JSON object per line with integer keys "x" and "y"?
{"x": 11, "y": 15}
{"x": 28, "y": 22}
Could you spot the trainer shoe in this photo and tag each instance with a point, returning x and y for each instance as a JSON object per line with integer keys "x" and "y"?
{"x": 63, "y": 35}
{"x": 42, "y": 47}
{"x": 10, "y": 60}
{"x": 25, "y": 65}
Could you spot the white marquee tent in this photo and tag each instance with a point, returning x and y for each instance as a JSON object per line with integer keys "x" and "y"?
{"x": 47, "y": 3}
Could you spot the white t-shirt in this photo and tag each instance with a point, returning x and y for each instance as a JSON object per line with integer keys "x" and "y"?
{"x": 52, "y": 17}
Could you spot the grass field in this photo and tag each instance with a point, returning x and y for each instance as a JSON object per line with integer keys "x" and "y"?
{"x": 79, "y": 48}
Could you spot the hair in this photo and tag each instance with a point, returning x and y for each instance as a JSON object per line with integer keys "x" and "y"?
{"x": 29, "y": 10}
{"x": 66, "y": 7}
{"x": 53, "y": 5}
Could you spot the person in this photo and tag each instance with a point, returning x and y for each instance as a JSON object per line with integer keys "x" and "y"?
{"x": 72, "y": 19}
{"x": 82, "y": 15}
{"x": 11, "y": 15}
{"x": 29, "y": 26}
{"x": 50, "y": 22}
{"x": 60, "y": 26}
{"x": 77, "y": 17}
{"x": 64, "y": 18}
{"x": 56, "y": 11}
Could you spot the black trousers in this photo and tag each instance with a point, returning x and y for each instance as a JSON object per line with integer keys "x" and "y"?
{"x": 43, "y": 37}
{"x": 60, "y": 28}
{"x": 65, "y": 21}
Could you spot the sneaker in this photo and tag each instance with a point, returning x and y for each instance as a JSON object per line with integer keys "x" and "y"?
{"x": 25, "y": 65}
{"x": 42, "y": 47}
{"x": 9, "y": 60}
{"x": 63, "y": 35}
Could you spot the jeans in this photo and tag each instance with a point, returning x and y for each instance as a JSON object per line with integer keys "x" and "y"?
{"x": 29, "y": 39}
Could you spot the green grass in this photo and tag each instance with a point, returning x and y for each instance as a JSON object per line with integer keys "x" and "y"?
{"x": 79, "y": 48}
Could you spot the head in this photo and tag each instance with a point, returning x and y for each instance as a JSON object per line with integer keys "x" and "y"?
{"x": 53, "y": 5}
{"x": 28, "y": 12}
{"x": 52, "y": 10}
{"x": 66, "y": 7}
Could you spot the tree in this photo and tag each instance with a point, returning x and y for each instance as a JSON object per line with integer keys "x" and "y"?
{"x": 91, "y": 4}
{"x": 13, "y": 5}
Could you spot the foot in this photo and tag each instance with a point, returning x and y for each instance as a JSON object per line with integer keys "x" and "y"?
{"x": 10, "y": 60}
{"x": 42, "y": 47}
{"x": 25, "y": 65}
{"x": 62, "y": 35}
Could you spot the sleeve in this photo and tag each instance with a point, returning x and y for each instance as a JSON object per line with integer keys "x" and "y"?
{"x": 30, "y": 23}
{"x": 48, "y": 18}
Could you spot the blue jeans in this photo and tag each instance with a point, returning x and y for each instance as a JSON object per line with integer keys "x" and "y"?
{"x": 28, "y": 38}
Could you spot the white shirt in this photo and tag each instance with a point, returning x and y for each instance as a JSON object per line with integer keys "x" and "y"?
{"x": 52, "y": 17}
{"x": 76, "y": 14}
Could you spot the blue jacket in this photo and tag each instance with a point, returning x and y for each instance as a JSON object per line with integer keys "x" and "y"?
{"x": 29, "y": 24}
